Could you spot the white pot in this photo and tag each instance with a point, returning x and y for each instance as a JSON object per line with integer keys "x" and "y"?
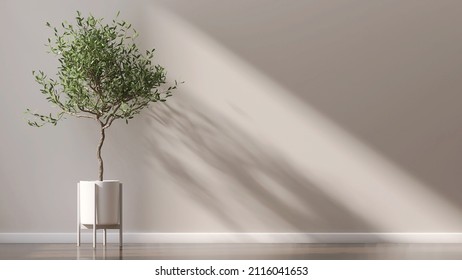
{"x": 107, "y": 198}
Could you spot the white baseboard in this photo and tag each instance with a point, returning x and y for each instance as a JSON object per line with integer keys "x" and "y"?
{"x": 132, "y": 237}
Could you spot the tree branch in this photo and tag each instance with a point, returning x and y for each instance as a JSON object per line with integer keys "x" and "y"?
{"x": 86, "y": 111}
{"x": 108, "y": 121}
{"x": 81, "y": 116}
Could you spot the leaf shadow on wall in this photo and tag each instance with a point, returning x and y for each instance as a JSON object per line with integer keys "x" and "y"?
{"x": 387, "y": 83}
{"x": 252, "y": 181}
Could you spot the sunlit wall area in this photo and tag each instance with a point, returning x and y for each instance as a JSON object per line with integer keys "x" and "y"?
{"x": 296, "y": 101}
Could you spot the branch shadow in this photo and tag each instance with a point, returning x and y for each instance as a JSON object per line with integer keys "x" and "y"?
{"x": 252, "y": 176}
{"x": 404, "y": 107}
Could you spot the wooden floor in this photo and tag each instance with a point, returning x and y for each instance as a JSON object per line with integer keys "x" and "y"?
{"x": 233, "y": 251}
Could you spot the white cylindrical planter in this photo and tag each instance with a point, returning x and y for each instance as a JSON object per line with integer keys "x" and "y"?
{"x": 107, "y": 200}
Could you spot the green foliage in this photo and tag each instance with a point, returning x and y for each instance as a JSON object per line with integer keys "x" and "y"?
{"x": 102, "y": 75}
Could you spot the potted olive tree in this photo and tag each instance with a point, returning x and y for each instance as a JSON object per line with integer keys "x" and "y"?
{"x": 102, "y": 76}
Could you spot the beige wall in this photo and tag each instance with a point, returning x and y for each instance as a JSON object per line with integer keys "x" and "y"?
{"x": 296, "y": 116}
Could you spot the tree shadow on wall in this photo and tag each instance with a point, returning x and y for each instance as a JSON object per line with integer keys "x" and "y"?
{"x": 251, "y": 175}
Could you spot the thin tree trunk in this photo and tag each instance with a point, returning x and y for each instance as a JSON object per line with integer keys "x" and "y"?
{"x": 98, "y": 153}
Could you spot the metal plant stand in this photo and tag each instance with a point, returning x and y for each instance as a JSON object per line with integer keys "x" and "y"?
{"x": 95, "y": 226}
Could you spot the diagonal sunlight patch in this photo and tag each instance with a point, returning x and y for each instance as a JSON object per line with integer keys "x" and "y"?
{"x": 350, "y": 172}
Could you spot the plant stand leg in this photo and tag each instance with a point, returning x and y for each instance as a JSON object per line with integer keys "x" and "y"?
{"x": 120, "y": 216}
{"x": 78, "y": 214}
{"x": 94, "y": 236}
{"x": 120, "y": 236}
{"x": 78, "y": 237}
{"x": 94, "y": 218}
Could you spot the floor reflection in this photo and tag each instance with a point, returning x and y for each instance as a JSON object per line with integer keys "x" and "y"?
{"x": 109, "y": 252}
{"x": 232, "y": 251}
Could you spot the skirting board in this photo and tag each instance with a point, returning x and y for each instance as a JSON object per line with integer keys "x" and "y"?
{"x": 131, "y": 237}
